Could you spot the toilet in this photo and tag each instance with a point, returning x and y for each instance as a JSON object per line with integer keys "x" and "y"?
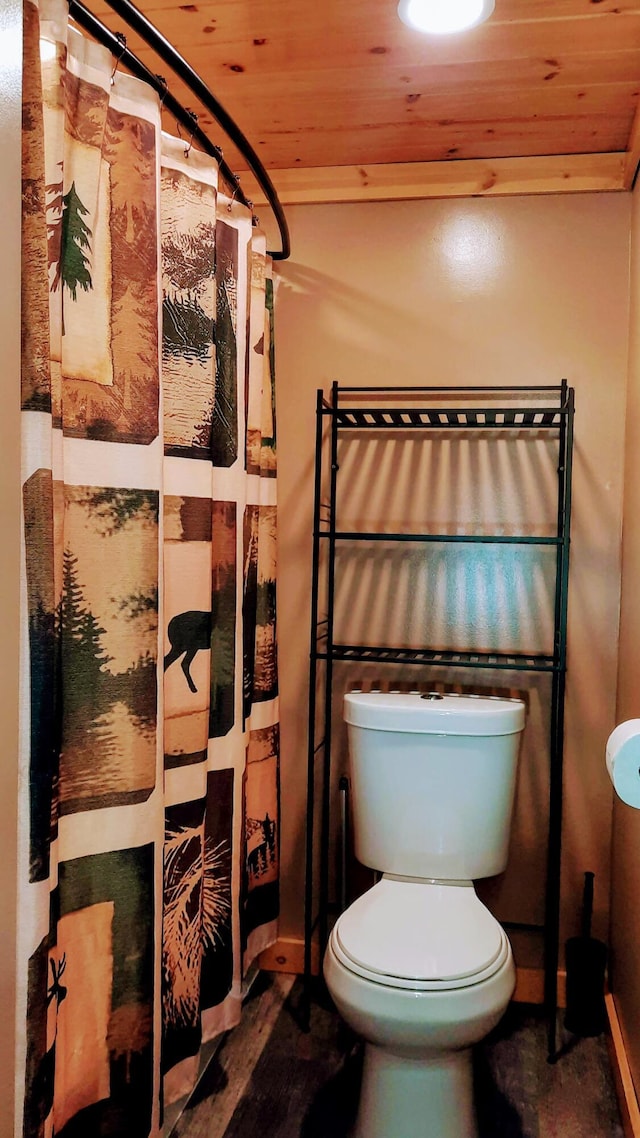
{"x": 417, "y": 965}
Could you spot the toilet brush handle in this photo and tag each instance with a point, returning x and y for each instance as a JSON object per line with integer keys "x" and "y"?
{"x": 587, "y": 904}
{"x": 343, "y": 787}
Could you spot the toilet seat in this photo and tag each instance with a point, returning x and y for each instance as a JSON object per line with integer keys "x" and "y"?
{"x": 422, "y": 936}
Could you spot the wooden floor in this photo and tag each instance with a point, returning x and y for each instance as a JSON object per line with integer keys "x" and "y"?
{"x": 270, "y": 1079}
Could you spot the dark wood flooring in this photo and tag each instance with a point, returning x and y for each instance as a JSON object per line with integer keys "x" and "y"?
{"x": 271, "y": 1079}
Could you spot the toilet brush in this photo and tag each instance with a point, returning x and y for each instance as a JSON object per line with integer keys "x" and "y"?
{"x": 585, "y": 962}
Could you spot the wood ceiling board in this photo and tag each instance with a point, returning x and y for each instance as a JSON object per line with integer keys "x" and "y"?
{"x": 322, "y": 48}
{"x": 385, "y": 131}
{"x": 335, "y": 83}
{"x": 455, "y": 144}
{"x": 547, "y": 10}
{"x": 417, "y": 180}
{"x": 586, "y": 72}
{"x": 286, "y": 114}
{"x": 378, "y": 12}
{"x": 317, "y": 36}
{"x": 358, "y": 109}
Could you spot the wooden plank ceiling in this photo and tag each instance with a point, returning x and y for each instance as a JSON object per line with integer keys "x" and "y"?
{"x": 343, "y": 102}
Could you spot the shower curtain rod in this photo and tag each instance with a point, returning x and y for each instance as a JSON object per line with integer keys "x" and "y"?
{"x": 116, "y": 44}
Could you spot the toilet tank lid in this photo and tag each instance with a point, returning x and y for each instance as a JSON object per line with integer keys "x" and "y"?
{"x": 430, "y": 713}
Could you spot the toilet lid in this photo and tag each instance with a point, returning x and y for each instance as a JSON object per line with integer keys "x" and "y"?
{"x": 414, "y": 931}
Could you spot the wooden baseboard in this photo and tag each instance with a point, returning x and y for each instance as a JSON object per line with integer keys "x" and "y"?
{"x": 627, "y": 1097}
{"x": 530, "y": 987}
{"x": 287, "y": 955}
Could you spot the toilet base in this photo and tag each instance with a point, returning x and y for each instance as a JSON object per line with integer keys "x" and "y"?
{"x": 416, "y": 1098}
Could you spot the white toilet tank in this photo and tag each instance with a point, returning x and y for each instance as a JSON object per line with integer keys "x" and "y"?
{"x": 433, "y": 779}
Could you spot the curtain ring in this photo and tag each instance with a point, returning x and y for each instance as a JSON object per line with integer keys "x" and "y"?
{"x": 165, "y": 88}
{"x": 122, "y": 40}
{"x": 194, "y": 122}
{"x": 236, "y": 190}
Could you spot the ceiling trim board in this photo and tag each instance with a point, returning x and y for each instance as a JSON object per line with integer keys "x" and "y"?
{"x": 404, "y": 181}
{"x": 632, "y": 156}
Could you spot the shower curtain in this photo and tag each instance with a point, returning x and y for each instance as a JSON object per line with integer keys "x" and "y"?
{"x": 149, "y": 757}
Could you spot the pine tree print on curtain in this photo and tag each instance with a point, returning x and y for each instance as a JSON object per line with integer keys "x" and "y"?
{"x": 91, "y": 741}
{"x": 188, "y": 212}
{"x": 150, "y": 794}
{"x": 261, "y": 784}
{"x": 188, "y": 207}
{"x": 101, "y": 215}
{"x": 108, "y": 645}
{"x": 224, "y": 433}
{"x": 42, "y": 568}
{"x": 204, "y": 546}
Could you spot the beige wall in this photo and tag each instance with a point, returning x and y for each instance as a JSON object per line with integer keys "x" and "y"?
{"x": 625, "y": 875}
{"x": 523, "y": 291}
{"x": 10, "y": 122}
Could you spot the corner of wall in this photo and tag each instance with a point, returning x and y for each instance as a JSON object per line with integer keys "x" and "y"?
{"x": 625, "y": 843}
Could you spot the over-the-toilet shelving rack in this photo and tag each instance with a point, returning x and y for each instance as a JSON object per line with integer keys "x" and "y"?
{"x": 494, "y": 411}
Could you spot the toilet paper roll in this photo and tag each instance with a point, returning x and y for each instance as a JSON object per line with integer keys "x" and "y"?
{"x": 623, "y": 761}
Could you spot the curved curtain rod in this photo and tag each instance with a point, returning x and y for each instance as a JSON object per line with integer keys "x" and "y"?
{"x": 184, "y": 71}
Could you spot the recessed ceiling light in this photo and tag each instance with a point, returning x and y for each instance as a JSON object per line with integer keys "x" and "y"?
{"x": 442, "y": 17}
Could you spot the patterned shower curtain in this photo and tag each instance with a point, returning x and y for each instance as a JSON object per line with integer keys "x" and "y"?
{"x": 150, "y": 807}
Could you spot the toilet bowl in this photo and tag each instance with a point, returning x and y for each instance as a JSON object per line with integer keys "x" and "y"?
{"x": 417, "y": 965}
{"x": 419, "y": 1002}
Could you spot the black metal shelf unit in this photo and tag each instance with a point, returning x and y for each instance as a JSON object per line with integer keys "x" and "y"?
{"x": 496, "y": 411}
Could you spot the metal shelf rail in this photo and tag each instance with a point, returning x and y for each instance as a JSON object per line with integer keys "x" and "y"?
{"x": 421, "y": 409}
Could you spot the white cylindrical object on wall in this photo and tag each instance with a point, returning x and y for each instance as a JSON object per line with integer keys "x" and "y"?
{"x": 623, "y": 761}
